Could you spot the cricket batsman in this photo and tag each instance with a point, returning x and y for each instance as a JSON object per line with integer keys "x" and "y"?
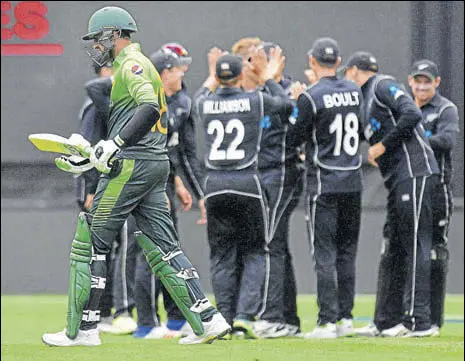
{"x": 134, "y": 164}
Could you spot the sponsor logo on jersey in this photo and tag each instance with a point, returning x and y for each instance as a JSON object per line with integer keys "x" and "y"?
{"x": 431, "y": 117}
{"x": 137, "y": 69}
{"x": 395, "y": 91}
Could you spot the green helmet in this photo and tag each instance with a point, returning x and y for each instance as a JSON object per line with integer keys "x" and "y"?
{"x": 107, "y": 19}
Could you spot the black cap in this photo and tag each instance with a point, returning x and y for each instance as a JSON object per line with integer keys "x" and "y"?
{"x": 363, "y": 60}
{"x": 166, "y": 59}
{"x": 425, "y": 67}
{"x": 228, "y": 67}
{"x": 325, "y": 51}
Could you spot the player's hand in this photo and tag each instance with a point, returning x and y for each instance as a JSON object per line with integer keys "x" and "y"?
{"x": 102, "y": 154}
{"x": 183, "y": 194}
{"x": 311, "y": 76}
{"x": 297, "y": 88}
{"x": 375, "y": 151}
{"x": 73, "y": 164}
{"x": 203, "y": 213}
{"x": 277, "y": 63}
{"x": 89, "y": 201}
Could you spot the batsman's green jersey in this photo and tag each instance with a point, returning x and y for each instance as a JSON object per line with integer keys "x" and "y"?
{"x": 136, "y": 81}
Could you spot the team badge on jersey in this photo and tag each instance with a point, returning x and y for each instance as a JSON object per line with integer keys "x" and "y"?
{"x": 137, "y": 69}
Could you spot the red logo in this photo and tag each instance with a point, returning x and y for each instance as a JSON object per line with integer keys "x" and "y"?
{"x": 137, "y": 69}
{"x": 27, "y": 22}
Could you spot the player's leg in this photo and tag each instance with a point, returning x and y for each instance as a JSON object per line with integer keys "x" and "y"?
{"x": 442, "y": 211}
{"x": 251, "y": 238}
{"x": 323, "y": 230}
{"x": 294, "y": 180}
{"x": 159, "y": 241}
{"x": 95, "y": 233}
{"x": 176, "y": 324}
{"x": 349, "y": 209}
{"x": 148, "y": 324}
{"x": 223, "y": 253}
{"x": 123, "y": 278}
{"x": 271, "y": 322}
{"x": 415, "y": 232}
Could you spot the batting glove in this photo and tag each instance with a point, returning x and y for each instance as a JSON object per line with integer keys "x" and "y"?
{"x": 102, "y": 154}
{"x": 73, "y": 164}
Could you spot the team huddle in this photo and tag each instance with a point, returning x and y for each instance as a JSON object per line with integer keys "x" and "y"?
{"x": 268, "y": 140}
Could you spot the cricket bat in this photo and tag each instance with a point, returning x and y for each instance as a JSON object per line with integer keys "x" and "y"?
{"x": 75, "y": 145}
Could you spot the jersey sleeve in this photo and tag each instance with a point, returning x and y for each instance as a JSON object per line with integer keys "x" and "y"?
{"x": 403, "y": 108}
{"x": 447, "y": 129}
{"x": 303, "y": 115}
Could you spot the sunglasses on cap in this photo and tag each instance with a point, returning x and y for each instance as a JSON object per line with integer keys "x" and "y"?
{"x": 176, "y": 48}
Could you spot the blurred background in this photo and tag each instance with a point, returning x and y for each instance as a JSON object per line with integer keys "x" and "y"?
{"x": 44, "y": 69}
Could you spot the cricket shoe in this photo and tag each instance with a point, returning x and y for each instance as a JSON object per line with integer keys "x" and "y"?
{"x": 294, "y": 331}
{"x": 106, "y": 326}
{"x": 124, "y": 325}
{"x": 182, "y": 330}
{"x": 424, "y": 333}
{"x": 345, "y": 328}
{"x": 436, "y": 331}
{"x": 216, "y": 328}
{"x": 246, "y": 327}
{"x": 368, "y": 331}
{"x": 326, "y": 331}
{"x": 398, "y": 330}
{"x": 83, "y": 338}
{"x": 266, "y": 329}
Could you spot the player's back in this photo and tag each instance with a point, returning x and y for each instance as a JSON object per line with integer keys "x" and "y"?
{"x": 231, "y": 121}
{"x": 333, "y": 155}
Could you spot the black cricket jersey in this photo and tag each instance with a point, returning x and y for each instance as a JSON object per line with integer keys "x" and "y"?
{"x": 274, "y": 149}
{"x": 181, "y": 141}
{"x": 441, "y": 124}
{"x": 233, "y": 121}
{"x": 329, "y": 122}
{"x": 392, "y": 117}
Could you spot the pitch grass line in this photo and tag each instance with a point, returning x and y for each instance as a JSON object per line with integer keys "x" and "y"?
{"x": 26, "y": 318}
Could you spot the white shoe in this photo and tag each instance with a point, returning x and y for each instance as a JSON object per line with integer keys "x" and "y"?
{"x": 398, "y": 330}
{"x": 124, "y": 324}
{"x": 294, "y": 331}
{"x": 266, "y": 329}
{"x": 185, "y": 330}
{"x": 157, "y": 333}
{"x": 325, "y": 331}
{"x": 83, "y": 338}
{"x": 368, "y": 331}
{"x": 216, "y": 328}
{"x": 106, "y": 326}
{"x": 436, "y": 331}
{"x": 424, "y": 333}
{"x": 345, "y": 328}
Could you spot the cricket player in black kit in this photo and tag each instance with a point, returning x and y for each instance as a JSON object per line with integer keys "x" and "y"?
{"x": 393, "y": 127}
{"x": 329, "y": 115}
{"x": 281, "y": 172}
{"x": 441, "y": 124}
{"x": 236, "y": 206}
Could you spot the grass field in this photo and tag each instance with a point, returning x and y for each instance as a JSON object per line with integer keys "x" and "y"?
{"x": 25, "y": 318}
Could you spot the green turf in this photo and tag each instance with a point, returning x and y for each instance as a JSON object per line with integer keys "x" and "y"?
{"x": 25, "y": 318}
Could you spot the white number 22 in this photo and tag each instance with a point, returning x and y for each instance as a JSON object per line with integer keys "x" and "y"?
{"x": 231, "y": 153}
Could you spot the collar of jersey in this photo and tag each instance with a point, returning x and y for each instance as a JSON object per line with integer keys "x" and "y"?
{"x": 228, "y": 90}
{"x": 123, "y": 53}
